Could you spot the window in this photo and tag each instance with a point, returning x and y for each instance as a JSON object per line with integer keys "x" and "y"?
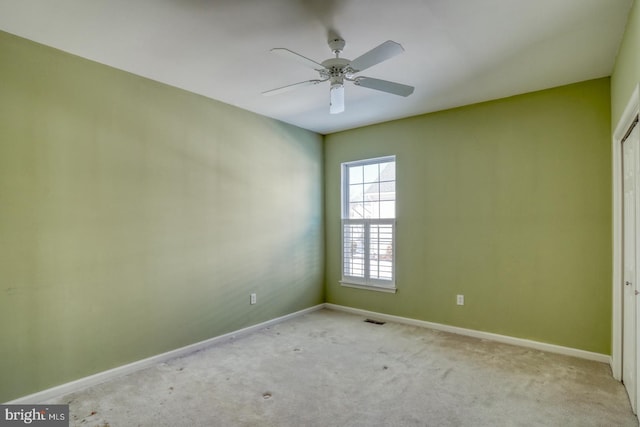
{"x": 368, "y": 223}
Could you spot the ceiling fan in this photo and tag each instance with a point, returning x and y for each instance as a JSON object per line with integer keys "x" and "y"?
{"x": 338, "y": 70}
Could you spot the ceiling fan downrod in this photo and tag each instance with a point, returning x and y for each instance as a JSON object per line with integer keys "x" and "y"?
{"x": 337, "y": 45}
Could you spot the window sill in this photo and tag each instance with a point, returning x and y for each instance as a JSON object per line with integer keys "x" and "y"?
{"x": 392, "y": 290}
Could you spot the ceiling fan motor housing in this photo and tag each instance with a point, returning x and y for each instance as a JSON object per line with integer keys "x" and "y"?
{"x": 336, "y": 68}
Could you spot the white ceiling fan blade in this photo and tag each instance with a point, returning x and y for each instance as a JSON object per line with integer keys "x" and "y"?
{"x": 291, "y": 87}
{"x": 378, "y": 54}
{"x": 384, "y": 86}
{"x": 289, "y": 54}
{"x": 336, "y": 103}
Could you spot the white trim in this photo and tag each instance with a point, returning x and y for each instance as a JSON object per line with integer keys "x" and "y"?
{"x": 390, "y": 290}
{"x": 365, "y": 282}
{"x": 630, "y": 111}
{"x": 551, "y": 348}
{"x": 100, "y": 377}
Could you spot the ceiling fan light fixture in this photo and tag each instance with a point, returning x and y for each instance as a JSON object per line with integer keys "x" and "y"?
{"x": 336, "y": 103}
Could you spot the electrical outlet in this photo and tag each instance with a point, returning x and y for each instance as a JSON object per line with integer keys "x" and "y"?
{"x": 460, "y": 300}
{"x": 253, "y": 298}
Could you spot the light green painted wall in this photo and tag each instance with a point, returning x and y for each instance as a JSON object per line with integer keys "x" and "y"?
{"x": 626, "y": 73}
{"x": 136, "y": 218}
{"x": 507, "y": 202}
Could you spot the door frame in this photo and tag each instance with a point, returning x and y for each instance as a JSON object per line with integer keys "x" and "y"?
{"x": 630, "y": 112}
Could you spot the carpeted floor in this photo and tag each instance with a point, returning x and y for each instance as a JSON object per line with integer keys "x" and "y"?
{"x": 330, "y": 368}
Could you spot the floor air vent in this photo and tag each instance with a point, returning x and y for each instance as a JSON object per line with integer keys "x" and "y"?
{"x": 375, "y": 322}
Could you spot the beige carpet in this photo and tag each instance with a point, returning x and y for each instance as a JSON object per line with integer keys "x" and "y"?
{"x": 333, "y": 369}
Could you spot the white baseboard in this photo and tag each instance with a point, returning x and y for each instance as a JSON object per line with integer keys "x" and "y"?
{"x": 100, "y": 377}
{"x": 551, "y": 348}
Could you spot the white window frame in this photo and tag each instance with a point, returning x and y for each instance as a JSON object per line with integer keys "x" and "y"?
{"x": 366, "y": 282}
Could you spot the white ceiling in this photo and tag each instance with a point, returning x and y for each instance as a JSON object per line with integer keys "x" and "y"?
{"x": 457, "y": 52}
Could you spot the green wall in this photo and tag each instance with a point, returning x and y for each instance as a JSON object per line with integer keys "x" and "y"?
{"x": 507, "y": 202}
{"x": 136, "y": 218}
{"x": 626, "y": 74}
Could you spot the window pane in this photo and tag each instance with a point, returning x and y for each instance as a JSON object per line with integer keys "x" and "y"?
{"x": 388, "y": 171}
{"x": 355, "y": 174}
{"x": 356, "y": 210}
{"x": 371, "y": 173}
{"x": 388, "y": 190}
{"x": 372, "y": 192}
{"x": 370, "y": 210}
{"x": 356, "y": 193}
{"x": 388, "y": 209}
